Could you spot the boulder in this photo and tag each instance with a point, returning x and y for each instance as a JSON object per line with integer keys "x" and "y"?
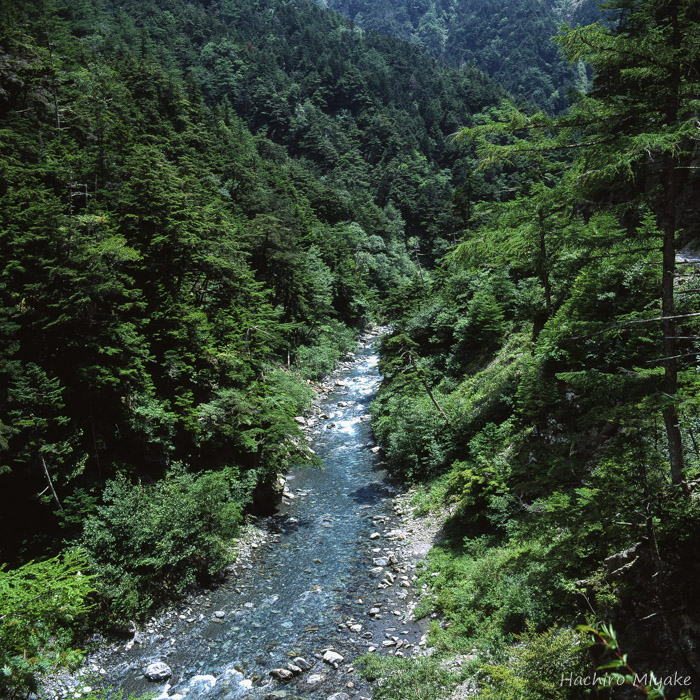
{"x": 302, "y": 663}
{"x": 281, "y": 674}
{"x": 157, "y": 671}
{"x": 333, "y": 658}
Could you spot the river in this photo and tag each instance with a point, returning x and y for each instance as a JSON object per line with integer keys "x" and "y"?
{"x": 324, "y": 577}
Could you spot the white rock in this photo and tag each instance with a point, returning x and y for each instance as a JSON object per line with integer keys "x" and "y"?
{"x": 332, "y": 657}
{"x": 157, "y": 671}
{"x": 281, "y": 674}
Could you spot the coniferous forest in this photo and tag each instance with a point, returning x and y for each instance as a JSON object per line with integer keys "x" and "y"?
{"x": 204, "y": 202}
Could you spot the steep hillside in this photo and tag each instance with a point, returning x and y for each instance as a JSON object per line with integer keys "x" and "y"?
{"x": 200, "y": 204}
{"x": 511, "y": 41}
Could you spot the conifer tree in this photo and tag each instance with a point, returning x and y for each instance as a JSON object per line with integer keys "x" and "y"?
{"x": 634, "y": 138}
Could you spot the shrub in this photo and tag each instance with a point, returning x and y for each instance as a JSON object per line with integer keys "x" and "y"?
{"x": 151, "y": 542}
{"x": 406, "y": 679}
{"x": 334, "y": 341}
{"x": 42, "y": 606}
{"x": 536, "y": 667}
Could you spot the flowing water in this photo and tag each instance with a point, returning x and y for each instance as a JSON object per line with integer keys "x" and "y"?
{"x": 295, "y": 594}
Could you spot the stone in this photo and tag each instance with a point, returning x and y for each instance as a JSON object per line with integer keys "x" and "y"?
{"x": 333, "y": 658}
{"x": 356, "y": 628}
{"x": 338, "y": 696}
{"x": 294, "y": 669}
{"x": 376, "y": 572}
{"x": 300, "y": 420}
{"x": 281, "y": 674}
{"x": 219, "y": 613}
{"x": 375, "y": 536}
{"x": 157, "y": 671}
{"x": 314, "y": 679}
{"x": 302, "y": 663}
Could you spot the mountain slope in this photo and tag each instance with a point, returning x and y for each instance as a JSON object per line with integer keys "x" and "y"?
{"x": 510, "y": 41}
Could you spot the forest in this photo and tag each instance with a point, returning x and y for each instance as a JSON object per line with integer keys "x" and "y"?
{"x": 509, "y": 41}
{"x": 203, "y": 202}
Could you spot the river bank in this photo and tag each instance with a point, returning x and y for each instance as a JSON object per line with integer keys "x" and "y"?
{"x": 329, "y": 577}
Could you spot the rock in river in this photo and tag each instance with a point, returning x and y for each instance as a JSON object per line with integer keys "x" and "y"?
{"x": 281, "y": 674}
{"x": 157, "y": 671}
{"x": 333, "y": 658}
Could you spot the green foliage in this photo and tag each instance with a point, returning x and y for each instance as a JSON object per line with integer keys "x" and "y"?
{"x": 509, "y": 41}
{"x": 618, "y": 672}
{"x": 152, "y": 542}
{"x": 424, "y": 678}
{"x": 560, "y": 340}
{"x": 536, "y": 666}
{"x": 489, "y": 592}
{"x": 42, "y": 605}
{"x": 334, "y": 342}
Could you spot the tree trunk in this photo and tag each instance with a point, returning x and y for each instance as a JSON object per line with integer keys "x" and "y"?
{"x": 670, "y": 380}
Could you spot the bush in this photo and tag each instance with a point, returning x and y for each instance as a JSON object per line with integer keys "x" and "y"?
{"x": 411, "y": 431}
{"x": 42, "y": 606}
{"x": 317, "y": 360}
{"x": 150, "y": 543}
{"x": 489, "y": 592}
{"x": 536, "y": 666}
{"x": 406, "y": 679}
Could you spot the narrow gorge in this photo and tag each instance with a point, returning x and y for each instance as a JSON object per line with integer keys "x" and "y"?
{"x": 326, "y": 578}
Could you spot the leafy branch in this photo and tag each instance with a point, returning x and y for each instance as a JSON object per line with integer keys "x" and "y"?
{"x": 619, "y": 671}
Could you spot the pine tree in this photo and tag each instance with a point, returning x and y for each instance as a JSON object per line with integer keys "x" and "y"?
{"x": 633, "y": 140}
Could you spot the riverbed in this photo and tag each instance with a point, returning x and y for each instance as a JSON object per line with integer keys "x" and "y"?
{"x": 329, "y": 579}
